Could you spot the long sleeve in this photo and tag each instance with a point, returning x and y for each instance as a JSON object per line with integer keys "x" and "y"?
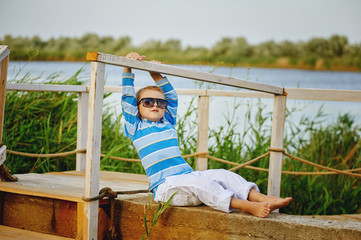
{"x": 172, "y": 98}
{"x": 156, "y": 142}
{"x": 129, "y": 104}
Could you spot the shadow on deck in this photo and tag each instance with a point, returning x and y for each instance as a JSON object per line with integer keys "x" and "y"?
{"x": 51, "y": 204}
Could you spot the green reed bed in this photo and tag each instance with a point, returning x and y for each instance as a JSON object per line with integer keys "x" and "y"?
{"x": 46, "y": 122}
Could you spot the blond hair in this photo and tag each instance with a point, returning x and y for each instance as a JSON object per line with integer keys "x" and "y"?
{"x": 154, "y": 88}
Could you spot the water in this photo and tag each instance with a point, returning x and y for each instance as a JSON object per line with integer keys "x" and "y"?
{"x": 222, "y": 106}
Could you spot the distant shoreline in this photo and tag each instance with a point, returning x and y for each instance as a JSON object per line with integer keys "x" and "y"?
{"x": 280, "y": 63}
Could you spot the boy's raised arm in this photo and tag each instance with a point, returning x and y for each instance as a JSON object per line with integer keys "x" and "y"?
{"x": 155, "y": 75}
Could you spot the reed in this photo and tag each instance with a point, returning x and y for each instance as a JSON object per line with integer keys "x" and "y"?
{"x": 46, "y": 122}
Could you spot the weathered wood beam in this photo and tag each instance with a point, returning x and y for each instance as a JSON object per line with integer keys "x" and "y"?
{"x": 275, "y": 165}
{"x": 95, "y": 111}
{"x": 181, "y": 72}
{"x": 293, "y": 93}
{"x": 45, "y": 87}
{"x": 3, "y": 78}
{"x": 4, "y": 52}
{"x": 82, "y": 126}
{"x": 202, "y": 133}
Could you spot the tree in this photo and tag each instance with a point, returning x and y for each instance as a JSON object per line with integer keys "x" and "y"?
{"x": 242, "y": 48}
{"x": 338, "y": 45}
{"x": 267, "y": 49}
{"x": 289, "y": 49}
{"x": 319, "y": 47}
{"x": 173, "y": 45}
{"x": 222, "y": 47}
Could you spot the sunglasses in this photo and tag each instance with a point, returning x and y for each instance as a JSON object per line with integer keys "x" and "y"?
{"x": 149, "y": 102}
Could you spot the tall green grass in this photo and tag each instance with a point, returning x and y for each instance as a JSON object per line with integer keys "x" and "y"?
{"x": 46, "y": 122}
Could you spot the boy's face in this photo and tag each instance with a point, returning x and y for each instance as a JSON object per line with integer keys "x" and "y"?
{"x": 154, "y": 113}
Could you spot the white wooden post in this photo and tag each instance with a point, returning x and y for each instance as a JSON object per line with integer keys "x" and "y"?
{"x": 275, "y": 165}
{"x": 83, "y": 99}
{"x": 96, "y": 92}
{"x": 3, "y": 77}
{"x": 202, "y": 135}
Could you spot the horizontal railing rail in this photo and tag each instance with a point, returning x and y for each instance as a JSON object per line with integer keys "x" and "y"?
{"x": 181, "y": 72}
{"x": 293, "y": 93}
{"x": 45, "y": 87}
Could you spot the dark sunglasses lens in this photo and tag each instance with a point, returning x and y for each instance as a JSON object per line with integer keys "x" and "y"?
{"x": 148, "y": 102}
{"x": 162, "y": 103}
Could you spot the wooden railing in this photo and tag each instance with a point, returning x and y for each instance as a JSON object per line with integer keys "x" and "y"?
{"x": 90, "y": 107}
{"x": 4, "y": 60}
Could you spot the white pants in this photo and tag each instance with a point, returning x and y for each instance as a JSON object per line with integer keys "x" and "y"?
{"x": 214, "y": 188}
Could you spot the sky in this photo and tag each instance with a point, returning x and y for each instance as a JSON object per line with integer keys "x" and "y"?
{"x": 194, "y": 22}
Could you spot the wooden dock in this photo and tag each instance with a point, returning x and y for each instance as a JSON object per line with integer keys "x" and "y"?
{"x": 70, "y": 185}
{"x": 50, "y": 206}
{"x": 51, "y": 203}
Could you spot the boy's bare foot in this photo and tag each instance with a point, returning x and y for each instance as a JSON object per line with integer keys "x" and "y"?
{"x": 276, "y": 202}
{"x": 259, "y": 209}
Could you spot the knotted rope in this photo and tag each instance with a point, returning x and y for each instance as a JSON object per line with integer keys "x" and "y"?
{"x": 113, "y": 233}
{"x": 5, "y": 174}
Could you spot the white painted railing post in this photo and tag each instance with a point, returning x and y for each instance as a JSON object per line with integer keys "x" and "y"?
{"x": 83, "y": 100}
{"x": 275, "y": 165}
{"x": 202, "y": 135}
{"x": 4, "y": 60}
{"x": 96, "y": 92}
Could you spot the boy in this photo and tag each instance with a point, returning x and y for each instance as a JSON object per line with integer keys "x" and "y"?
{"x": 150, "y": 116}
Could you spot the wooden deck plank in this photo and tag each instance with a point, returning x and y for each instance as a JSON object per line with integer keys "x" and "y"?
{"x": 9, "y": 233}
{"x": 70, "y": 185}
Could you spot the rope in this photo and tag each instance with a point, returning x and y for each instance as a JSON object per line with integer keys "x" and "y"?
{"x": 112, "y": 195}
{"x": 222, "y": 160}
{"x": 83, "y": 150}
{"x": 122, "y": 159}
{"x": 109, "y": 193}
{"x": 333, "y": 171}
{"x": 249, "y": 162}
{"x": 112, "y": 232}
{"x": 46, "y": 155}
{"x": 276, "y": 150}
{"x": 195, "y": 154}
{"x": 205, "y": 154}
{"x": 5, "y": 174}
{"x": 302, "y": 173}
{"x": 322, "y": 167}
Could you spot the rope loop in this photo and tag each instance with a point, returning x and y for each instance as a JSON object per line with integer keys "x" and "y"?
{"x": 108, "y": 192}
{"x": 277, "y": 150}
{"x": 104, "y": 192}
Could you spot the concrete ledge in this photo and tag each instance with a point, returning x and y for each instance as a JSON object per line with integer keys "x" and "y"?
{"x": 205, "y": 223}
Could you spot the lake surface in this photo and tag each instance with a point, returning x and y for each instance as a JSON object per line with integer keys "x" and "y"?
{"x": 221, "y": 106}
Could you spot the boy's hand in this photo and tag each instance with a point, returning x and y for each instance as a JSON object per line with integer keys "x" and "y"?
{"x": 135, "y": 56}
{"x": 156, "y": 76}
{"x": 155, "y": 61}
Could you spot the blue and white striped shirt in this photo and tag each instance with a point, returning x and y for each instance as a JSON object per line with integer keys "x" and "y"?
{"x": 156, "y": 142}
